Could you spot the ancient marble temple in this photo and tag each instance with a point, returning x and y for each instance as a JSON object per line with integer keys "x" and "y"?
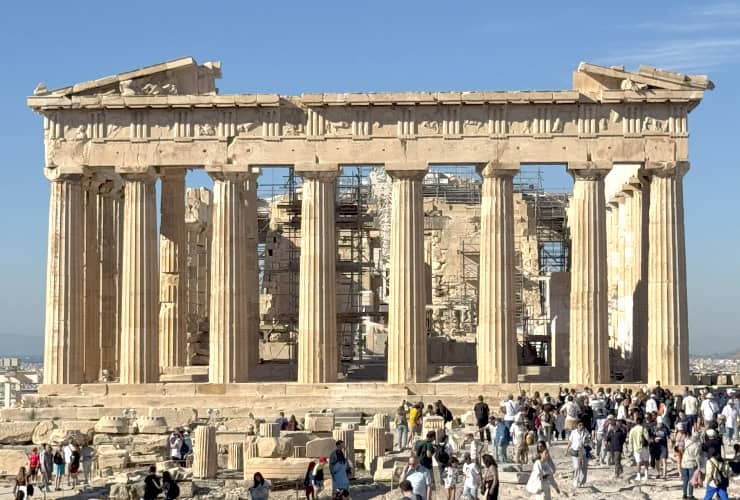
{"x": 114, "y": 290}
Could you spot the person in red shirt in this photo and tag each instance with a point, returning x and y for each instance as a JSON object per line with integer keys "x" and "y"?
{"x": 34, "y": 461}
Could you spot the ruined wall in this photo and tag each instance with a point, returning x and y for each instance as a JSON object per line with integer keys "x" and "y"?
{"x": 198, "y": 246}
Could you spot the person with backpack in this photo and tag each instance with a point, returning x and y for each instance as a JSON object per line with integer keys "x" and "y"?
{"x": 482, "y": 416}
{"x": 424, "y": 450}
{"x": 402, "y": 428}
{"x": 717, "y": 476}
{"x": 170, "y": 489}
{"x": 58, "y": 468}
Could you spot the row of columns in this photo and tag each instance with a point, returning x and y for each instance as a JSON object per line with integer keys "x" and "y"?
{"x": 151, "y": 322}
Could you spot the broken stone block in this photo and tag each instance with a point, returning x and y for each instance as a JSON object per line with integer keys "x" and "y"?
{"x": 271, "y": 447}
{"x": 42, "y": 432}
{"x": 319, "y": 422}
{"x": 17, "y": 432}
{"x": 300, "y": 438}
{"x": 112, "y": 425}
{"x": 11, "y": 461}
{"x": 151, "y": 425}
{"x": 321, "y": 447}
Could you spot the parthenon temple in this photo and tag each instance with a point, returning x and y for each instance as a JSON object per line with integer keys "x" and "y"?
{"x": 396, "y": 237}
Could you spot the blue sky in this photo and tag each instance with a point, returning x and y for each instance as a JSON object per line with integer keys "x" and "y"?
{"x": 292, "y": 47}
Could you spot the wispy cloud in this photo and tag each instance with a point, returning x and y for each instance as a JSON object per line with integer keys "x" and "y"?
{"x": 694, "y": 40}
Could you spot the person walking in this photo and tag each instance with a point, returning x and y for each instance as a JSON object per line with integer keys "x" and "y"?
{"x": 490, "y": 484}
{"x": 731, "y": 414}
{"x": 542, "y": 478}
{"x": 402, "y": 428}
{"x": 340, "y": 473}
{"x": 58, "y": 468}
{"x": 419, "y": 477}
{"x": 638, "y": 444}
{"x": 87, "y": 454}
{"x": 577, "y": 442}
{"x": 67, "y": 461}
{"x": 34, "y": 461}
{"x": 717, "y": 476}
{"x": 502, "y": 440}
{"x": 46, "y": 464}
{"x": 21, "y": 484}
{"x": 74, "y": 464}
{"x": 152, "y": 484}
{"x": 615, "y": 439}
{"x": 689, "y": 463}
{"x": 450, "y": 478}
{"x": 471, "y": 474}
{"x": 170, "y": 489}
{"x": 308, "y": 481}
{"x": 260, "y": 489}
{"x": 482, "y": 416}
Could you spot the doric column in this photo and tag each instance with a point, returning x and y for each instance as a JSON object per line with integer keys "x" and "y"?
{"x": 668, "y": 333}
{"x": 205, "y": 452}
{"x": 172, "y": 262}
{"x": 317, "y": 302}
{"x": 109, "y": 223}
{"x": 91, "y": 278}
{"x": 497, "y": 345}
{"x": 612, "y": 218}
{"x": 227, "y": 359}
{"x": 639, "y": 195}
{"x": 407, "y": 335}
{"x": 589, "y": 342}
{"x": 252, "y": 291}
{"x": 63, "y": 333}
{"x": 139, "y": 354}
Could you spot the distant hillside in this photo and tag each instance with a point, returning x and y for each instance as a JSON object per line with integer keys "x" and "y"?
{"x": 21, "y": 345}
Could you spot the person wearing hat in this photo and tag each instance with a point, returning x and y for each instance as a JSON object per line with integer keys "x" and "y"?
{"x": 731, "y": 414}
{"x": 709, "y": 409}
{"x": 688, "y": 464}
{"x": 712, "y": 441}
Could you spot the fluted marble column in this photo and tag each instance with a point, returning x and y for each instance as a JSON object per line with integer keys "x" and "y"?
{"x": 668, "y": 332}
{"x": 63, "y": 332}
{"x": 109, "y": 209}
{"x": 172, "y": 262}
{"x": 205, "y": 452}
{"x": 139, "y": 353}
{"x": 91, "y": 278}
{"x": 227, "y": 360}
{"x": 497, "y": 345}
{"x": 407, "y": 335}
{"x": 639, "y": 195}
{"x": 252, "y": 291}
{"x": 589, "y": 341}
{"x": 317, "y": 302}
{"x": 612, "y": 218}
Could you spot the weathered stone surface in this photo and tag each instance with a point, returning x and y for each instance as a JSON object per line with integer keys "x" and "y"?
{"x": 321, "y": 447}
{"x": 300, "y": 438}
{"x": 16, "y": 432}
{"x": 271, "y": 447}
{"x": 269, "y": 429}
{"x": 11, "y": 460}
{"x": 319, "y": 422}
{"x": 237, "y": 425}
{"x": 42, "y": 432}
{"x": 147, "y": 444}
{"x": 110, "y": 457}
{"x": 151, "y": 425}
{"x": 112, "y": 425}
{"x": 175, "y": 417}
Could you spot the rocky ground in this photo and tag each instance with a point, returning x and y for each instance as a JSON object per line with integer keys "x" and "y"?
{"x": 601, "y": 485}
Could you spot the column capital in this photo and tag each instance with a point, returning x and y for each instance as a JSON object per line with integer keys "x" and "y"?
{"x": 666, "y": 168}
{"x": 588, "y": 174}
{"x": 172, "y": 173}
{"x": 304, "y": 168}
{"x": 415, "y": 170}
{"x": 56, "y": 175}
{"x": 498, "y": 169}
{"x": 148, "y": 175}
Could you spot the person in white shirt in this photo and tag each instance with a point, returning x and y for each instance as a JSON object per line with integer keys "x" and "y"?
{"x": 651, "y": 405}
{"x": 709, "y": 409}
{"x": 472, "y": 477}
{"x": 67, "y": 461}
{"x": 474, "y": 448}
{"x": 572, "y": 412}
{"x": 730, "y": 413}
{"x": 511, "y": 408}
{"x": 419, "y": 477}
{"x": 690, "y": 406}
{"x": 577, "y": 442}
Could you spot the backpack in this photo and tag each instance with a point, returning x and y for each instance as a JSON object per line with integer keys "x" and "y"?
{"x": 184, "y": 449}
{"x": 721, "y": 473}
{"x": 441, "y": 455}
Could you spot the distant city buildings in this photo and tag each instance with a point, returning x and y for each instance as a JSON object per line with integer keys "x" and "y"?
{"x": 17, "y": 379}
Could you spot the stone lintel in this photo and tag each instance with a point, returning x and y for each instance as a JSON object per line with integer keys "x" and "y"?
{"x": 303, "y": 167}
{"x": 231, "y": 168}
{"x": 497, "y": 168}
{"x": 410, "y": 165}
{"x": 582, "y": 168}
